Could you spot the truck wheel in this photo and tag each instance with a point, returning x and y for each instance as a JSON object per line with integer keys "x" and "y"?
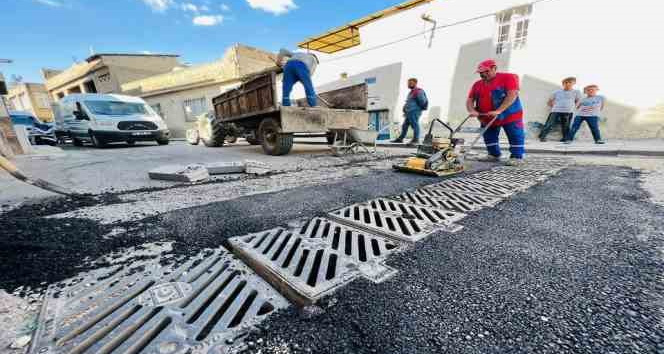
{"x": 217, "y": 134}
{"x": 77, "y": 142}
{"x": 231, "y": 139}
{"x": 193, "y": 137}
{"x": 97, "y": 142}
{"x": 274, "y": 142}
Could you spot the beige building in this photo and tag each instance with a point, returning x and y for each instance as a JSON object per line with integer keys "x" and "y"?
{"x": 105, "y": 73}
{"x": 184, "y": 93}
{"x": 31, "y": 97}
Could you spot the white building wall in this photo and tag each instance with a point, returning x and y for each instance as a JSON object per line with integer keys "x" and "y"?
{"x": 612, "y": 44}
{"x": 172, "y": 106}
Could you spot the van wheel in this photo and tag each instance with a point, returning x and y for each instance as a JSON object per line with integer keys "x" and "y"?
{"x": 77, "y": 142}
{"x": 97, "y": 142}
{"x": 273, "y": 140}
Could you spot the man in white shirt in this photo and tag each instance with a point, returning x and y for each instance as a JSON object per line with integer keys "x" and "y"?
{"x": 563, "y": 103}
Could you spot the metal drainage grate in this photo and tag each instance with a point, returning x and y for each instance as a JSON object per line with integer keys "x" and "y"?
{"x": 399, "y": 220}
{"x": 202, "y": 306}
{"x": 474, "y": 186}
{"x": 450, "y": 200}
{"x": 550, "y": 163}
{"x": 512, "y": 176}
{"x": 311, "y": 261}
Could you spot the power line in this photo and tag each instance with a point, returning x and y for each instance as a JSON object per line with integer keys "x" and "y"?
{"x": 422, "y": 33}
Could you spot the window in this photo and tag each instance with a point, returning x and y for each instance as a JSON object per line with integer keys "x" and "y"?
{"x": 90, "y": 87}
{"x": 194, "y": 107}
{"x": 512, "y": 28}
{"x": 116, "y": 108}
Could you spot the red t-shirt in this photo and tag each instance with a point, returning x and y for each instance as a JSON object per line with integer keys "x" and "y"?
{"x": 488, "y": 96}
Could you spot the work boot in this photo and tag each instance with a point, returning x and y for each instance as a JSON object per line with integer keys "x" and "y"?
{"x": 489, "y": 158}
{"x": 414, "y": 142}
{"x": 514, "y": 162}
{"x": 397, "y": 141}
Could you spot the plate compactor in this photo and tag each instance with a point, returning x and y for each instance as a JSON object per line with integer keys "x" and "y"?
{"x": 440, "y": 156}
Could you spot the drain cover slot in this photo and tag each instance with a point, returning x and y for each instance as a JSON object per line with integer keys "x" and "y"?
{"x": 400, "y": 220}
{"x": 450, "y": 200}
{"x": 512, "y": 176}
{"x": 310, "y": 261}
{"x": 199, "y": 306}
{"x": 474, "y": 186}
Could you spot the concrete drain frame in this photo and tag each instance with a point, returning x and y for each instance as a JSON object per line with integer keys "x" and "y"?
{"x": 397, "y": 219}
{"x": 475, "y": 186}
{"x": 308, "y": 262}
{"x": 201, "y": 306}
{"x": 448, "y": 199}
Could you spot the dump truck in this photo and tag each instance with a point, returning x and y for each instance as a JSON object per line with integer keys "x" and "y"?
{"x": 253, "y": 111}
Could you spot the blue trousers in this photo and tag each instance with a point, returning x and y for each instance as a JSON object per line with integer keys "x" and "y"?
{"x": 593, "y": 123}
{"x": 412, "y": 120}
{"x": 296, "y": 71}
{"x": 515, "y": 134}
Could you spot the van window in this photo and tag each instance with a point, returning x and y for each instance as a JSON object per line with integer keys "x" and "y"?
{"x": 116, "y": 108}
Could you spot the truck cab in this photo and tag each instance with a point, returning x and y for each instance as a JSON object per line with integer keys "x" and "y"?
{"x": 106, "y": 118}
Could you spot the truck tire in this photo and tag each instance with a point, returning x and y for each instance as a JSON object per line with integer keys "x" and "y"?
{"x": 231, "y": 139}
{"x": 274, "y": 142}
{"x": 96, "y": 141}
{"x": 254, "y": 138}
{"x": 217, "y": 134}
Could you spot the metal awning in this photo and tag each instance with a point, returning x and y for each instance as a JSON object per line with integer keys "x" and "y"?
{"x": 348, "y": 36}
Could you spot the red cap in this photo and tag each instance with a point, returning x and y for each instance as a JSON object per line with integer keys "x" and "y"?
{"x": 486, "y": 65}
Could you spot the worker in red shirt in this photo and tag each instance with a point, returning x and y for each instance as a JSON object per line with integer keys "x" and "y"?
{"x": 497, "y": 95}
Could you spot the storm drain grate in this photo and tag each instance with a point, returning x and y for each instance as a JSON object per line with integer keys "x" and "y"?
{"x": 311, "y": 261}
{"x": 450, "y": 200}
{"x": 474, "y": 186}
{"x": 202, "y": 306}
{"x": 400, "y": 220}
{"x": 550, "y": 163}
{"x": 512, "y": 176}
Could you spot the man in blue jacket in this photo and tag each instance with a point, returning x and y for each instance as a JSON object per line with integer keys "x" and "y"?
{"x": 300, "y": 67}
{"x": 416, "y": 102}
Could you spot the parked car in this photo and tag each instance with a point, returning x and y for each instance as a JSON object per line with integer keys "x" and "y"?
{"x": 106, "y": 118}
{"x": 38, "y": 132}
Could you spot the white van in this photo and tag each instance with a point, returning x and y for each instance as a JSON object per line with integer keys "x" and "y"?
{"x": 102, "y": 119}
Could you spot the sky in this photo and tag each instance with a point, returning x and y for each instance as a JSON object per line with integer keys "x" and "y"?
{"x": 55, "y": 33}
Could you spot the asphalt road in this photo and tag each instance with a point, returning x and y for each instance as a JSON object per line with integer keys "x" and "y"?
{"x": 570, "y": 266}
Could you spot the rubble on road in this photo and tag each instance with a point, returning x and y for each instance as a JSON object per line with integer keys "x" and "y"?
{"x": 190, "y": 173}
{"x": 256, "y": 167}
{"x": 220, "y": 168}
{"x": 201, "y": 172}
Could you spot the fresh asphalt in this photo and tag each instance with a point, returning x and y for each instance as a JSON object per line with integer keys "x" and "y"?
{"x": 568, "y": 266}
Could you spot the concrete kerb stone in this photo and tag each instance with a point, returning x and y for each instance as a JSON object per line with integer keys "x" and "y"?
{"x": 220, "y": 168}
{"x": 190, "y": 173}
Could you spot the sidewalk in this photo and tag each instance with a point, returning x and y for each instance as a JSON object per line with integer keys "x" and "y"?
{"x": 613, "y": 147}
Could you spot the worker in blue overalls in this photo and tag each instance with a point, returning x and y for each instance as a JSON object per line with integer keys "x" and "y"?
{"x": 298, "y": 68}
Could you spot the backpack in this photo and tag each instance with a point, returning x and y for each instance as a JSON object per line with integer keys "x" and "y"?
{"x": 424, "y": 106}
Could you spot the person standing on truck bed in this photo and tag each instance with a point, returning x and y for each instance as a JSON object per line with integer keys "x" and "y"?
{"x": 299, "y": 68}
